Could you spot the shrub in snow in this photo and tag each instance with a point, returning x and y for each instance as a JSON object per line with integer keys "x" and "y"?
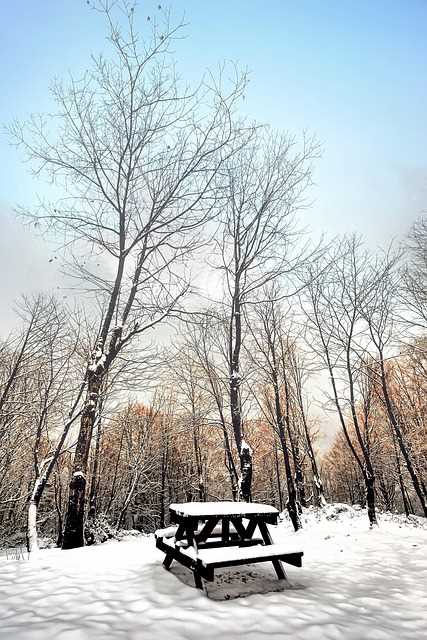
{"x": 337, "y": 510}
{"x": 99, "y": 530}
{"x": 13, "y": 540}
{"x": 45, "y": 542}
{"x": 125, "y": 533}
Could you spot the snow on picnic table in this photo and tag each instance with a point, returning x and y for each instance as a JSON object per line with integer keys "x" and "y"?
{"x": 355, "y": 584}
{"x": 223, "y": 508}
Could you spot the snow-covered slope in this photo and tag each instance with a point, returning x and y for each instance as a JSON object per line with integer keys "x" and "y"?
{"x": 355, "y": 584}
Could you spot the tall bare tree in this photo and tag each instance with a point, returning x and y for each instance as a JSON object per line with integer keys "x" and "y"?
{"x": 379, "y": 313}
{"x": 337, "y": 294}
{"x": 267, "y": 356}
{"x": 265, "y": 186}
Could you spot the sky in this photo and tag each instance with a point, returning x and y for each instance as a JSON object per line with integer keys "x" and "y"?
{"x": 352, "y": 73}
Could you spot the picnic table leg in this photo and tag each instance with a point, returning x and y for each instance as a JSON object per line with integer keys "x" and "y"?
{"x": 197, "y": 579}
{"x": 278, "y": 567}
{"x": 167, "y": 561}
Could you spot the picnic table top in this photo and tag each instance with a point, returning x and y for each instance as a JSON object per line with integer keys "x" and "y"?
{"x": 222, "y": 508}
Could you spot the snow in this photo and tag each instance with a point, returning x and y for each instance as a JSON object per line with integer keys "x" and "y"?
{"x": 355, "y": 584}
{"x": 245, "y": 447}
{"x": 206, "y": 509}
{"x": 167, "y": 532}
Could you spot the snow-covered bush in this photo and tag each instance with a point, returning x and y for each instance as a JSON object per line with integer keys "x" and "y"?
{"x": 99, "y": 530}
{"x": 337, "y": 510}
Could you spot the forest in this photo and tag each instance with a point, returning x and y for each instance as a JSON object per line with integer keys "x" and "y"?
{"x": 210, "y": 339}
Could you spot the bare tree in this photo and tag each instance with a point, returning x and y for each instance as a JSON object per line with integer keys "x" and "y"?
{"x": 266, "y": 184}
{"x": 53, "y": 391}
{"x": 268, "y": 356}
{"x": 379, "y": 313}
{"x": 137, "y": 156}
{"x": 414, "y": 291}
{"x": 205, "y": 341}
{"x": 298, "y": 373}
{"x": 337, "y": 294}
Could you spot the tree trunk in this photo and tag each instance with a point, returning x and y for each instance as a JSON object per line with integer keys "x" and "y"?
{"x": 244, "y": 450}
{"x": 94, "y": 479}
{"x": 291, "y": 504}
{"x": 279, "y": 484}
{"x": 75, "y": 518}
{"x": 32, "y": 537}
{"x": 319, "y": 496}
{"x": 370, "y": 497}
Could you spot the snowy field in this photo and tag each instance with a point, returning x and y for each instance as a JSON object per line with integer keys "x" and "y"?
{"x": 355, "y": 584}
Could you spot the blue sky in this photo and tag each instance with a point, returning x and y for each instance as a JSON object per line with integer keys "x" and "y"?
{"x": 353, "y": 73}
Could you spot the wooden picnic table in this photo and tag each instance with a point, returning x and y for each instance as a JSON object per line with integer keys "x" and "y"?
{"x": 209, "y": 535}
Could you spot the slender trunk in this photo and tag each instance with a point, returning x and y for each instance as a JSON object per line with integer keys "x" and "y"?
{"x": 127, "y": 499}
{"x": 319, "y": 495}
{"x": 116, "y": 467}
{"x": 370, "y": 497}
{"x": 41, "y": 481}
{"x": 229, "y": 461}
{"x": 399, "y": 435}
{"x": 58, "y": 506}
{"x": 400, "y": 475}
{"x": 291, "y": 504}
{"x": 162, "y": 491}
{"x": 279, "y": 484}
{"x": 244, "y": 450}
{"x": 198, "y": 460}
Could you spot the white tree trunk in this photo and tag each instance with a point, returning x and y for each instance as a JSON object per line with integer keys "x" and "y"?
{"x": 33, "y": 541}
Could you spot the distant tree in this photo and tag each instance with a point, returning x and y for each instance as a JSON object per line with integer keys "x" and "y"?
{"x": 414, "y": 291}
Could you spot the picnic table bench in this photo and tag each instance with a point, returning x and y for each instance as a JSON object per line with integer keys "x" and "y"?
{"x": 210, "y": 535}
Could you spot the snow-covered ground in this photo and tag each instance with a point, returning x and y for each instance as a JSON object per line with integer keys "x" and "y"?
{"x": 355, "y": 584}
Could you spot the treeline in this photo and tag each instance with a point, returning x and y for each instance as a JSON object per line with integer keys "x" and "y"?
{"x": 180, "y": 445}
{"x": 154, "y": 174}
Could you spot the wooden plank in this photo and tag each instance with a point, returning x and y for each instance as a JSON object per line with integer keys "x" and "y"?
{"x": 206, "y": 532}
{"x": 168, "y": 560}
{"x": 289, "y": 558}
{"x": 175, "y": 553}
{"x": 265, "y": 533}
{"x": 180, "y": 532}
{"x": 225, "y": 532}
{"x": 250, "y": 529}
{"x": 238, "y": 525}
{"x": 233, "y": 542}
